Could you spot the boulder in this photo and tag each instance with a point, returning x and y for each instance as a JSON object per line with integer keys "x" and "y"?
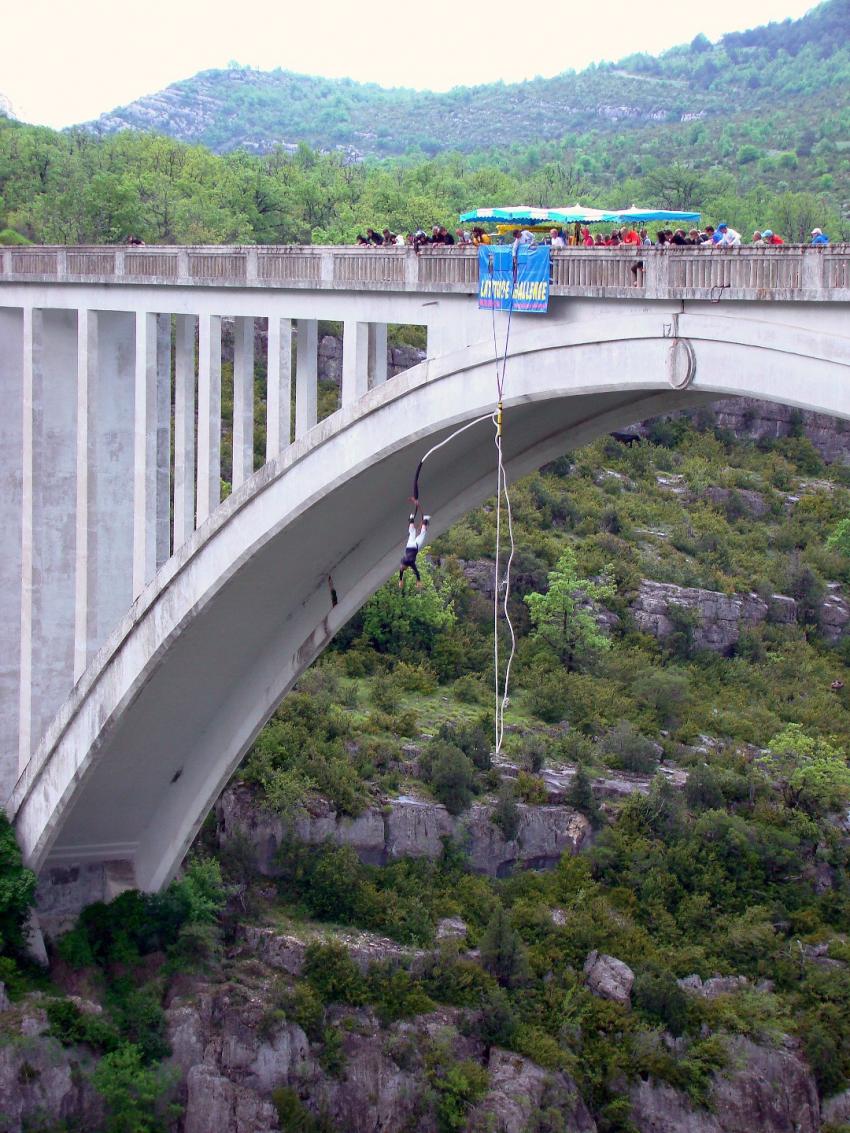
{"x": 609, "y": 978}
{"x": 451, "y": 928}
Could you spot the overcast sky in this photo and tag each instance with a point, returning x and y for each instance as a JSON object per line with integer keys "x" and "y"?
{"x": 70, "y": 60}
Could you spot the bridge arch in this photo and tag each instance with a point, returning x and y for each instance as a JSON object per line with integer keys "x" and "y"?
{"x": 163, "y": 714}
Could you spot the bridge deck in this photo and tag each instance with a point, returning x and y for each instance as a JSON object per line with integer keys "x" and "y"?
{"x": 788, "y": 272}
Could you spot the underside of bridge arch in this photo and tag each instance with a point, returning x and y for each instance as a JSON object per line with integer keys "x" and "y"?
{"x": 165, "y": 712}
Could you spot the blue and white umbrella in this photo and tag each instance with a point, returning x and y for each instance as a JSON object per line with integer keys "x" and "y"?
{"x": 642, "y": 216}
{"x": 528, "y": 215}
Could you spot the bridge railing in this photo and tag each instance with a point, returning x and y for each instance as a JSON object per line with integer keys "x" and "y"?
{"x": 746, "y": 272}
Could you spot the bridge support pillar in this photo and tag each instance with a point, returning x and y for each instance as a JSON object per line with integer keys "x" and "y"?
{"x": 377, "y": 354}
{"x": 48, "y": 527}
{"x": 355, "y": 361}
{"x": 11, "y": 439}
{"x": 278, "y": 386}
{"x": 163, "y": 438}
{"x": 209, "y": 416}
{"x": 144, "y": 453}
{"x": 184, "y": 428}
{"x": 306, "y": 376}
{"x": 243, "y": 400}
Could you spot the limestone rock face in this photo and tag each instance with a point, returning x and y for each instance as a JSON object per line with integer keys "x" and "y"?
{"x": 836, "y": 1110}
{"x": 609, "y": 978}
{"x": 768, "y": 1089}
{"x": 40, "y": 1078}
{"x": 518, "y": 1088}
{"x": 408, "y": 827}
{"x": 214, "y": 1102}
{"x": 286, "y": 951}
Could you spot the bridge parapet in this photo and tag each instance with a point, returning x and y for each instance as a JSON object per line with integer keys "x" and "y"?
{"x": 787, "y": 272}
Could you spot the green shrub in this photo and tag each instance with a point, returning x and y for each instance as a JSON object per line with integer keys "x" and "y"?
{"x": 17, "y": 891}
{"x": 505, "y": 814}
{"x": 333, "y": 974}
{"x": 70, "y": 1025}
{"x": 624, "y": 747}
{"x": 531, "y": 789}
{"x": 395, "y": 994}
{"x": 451, "y": 776}
{"x": 136, "y": 1095}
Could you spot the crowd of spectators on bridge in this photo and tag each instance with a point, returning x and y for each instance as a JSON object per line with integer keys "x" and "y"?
{"x": 723, "y": 235}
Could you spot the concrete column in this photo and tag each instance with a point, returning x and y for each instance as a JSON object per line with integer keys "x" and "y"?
{"x": 355, "y": 361}
{"x": 111, "y": 444}
{"x": 144, "y": 452}
{"x": 11, "y": 440}
{"x": 243, "y": 400}
{"x": 278, "y": 386}
{"x": 377, "y": 354}
{"x": 209, "y": 416}
{"x": 163, "y": 438}
{"x": 87, "y": 370}
{"x": 306, "y": 376}
{"x": 48, "y": 528}
{"x": 184, "y": 428}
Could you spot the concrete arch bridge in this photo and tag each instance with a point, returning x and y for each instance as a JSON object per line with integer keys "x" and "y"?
{"x": 149, "y": 630}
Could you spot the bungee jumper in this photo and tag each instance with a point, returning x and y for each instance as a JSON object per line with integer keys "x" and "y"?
{"x": 415, "y": 542}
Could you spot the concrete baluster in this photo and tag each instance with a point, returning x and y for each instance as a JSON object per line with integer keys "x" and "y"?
{"x": 184, "y": 428}
{"x": 306, "y": 376}
{"x": 279, "y": 386}
{"x": 355, "y": 361}
{"x": 243, "y": 400}
{"x": 209, "y": 416}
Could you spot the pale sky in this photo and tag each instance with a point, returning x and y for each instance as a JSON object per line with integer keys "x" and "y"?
{"x": 75, "y": 59}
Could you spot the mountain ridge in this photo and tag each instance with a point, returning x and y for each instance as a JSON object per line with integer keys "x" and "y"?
{"x": 260, "y": 111}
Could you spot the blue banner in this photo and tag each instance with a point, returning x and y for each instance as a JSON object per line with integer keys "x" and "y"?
{"x": 505, "y": 285}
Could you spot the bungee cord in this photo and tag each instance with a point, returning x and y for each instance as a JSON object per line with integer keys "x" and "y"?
{"x": 501, "y": 691}
{"x": 501, "y": 696}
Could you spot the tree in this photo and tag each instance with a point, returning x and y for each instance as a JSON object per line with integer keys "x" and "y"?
{"x": 406, "y": 621}
{"x": 452, "y": 777}
{"x": 580, "y": 796}
{"x": 17, "y": 891}
{"x": 812, "y": 773}
{"x": 503, "y": 953}
{"x": 839, "y": 537}
{"x": 134, "y": 1093}
{"x": 558, "y": 616}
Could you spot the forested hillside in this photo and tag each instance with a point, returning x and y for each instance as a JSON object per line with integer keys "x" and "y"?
{"x": 74, "y": 188}
{"x": 802, "y": 66}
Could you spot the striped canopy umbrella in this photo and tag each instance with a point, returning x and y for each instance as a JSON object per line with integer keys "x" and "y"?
{"x": 528, "y": 215}
{"x": 641, "y": 216}
{"x": 581, "y": 214}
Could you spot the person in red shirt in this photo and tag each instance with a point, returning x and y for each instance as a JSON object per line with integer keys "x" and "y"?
{"x": 629, "y": 236}
{"x": 770, "y": 237}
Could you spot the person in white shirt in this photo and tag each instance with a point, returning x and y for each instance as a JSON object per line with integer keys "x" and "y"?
{"x": 414, "y": 546}
{"x": 555, "y": 239}
{"x": 728, "y": 236}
